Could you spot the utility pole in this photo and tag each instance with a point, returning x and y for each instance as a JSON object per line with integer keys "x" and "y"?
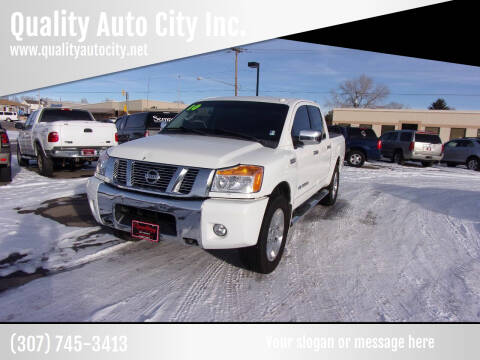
{"x": 125, "y": 107}
{"x": 236, "y": 51}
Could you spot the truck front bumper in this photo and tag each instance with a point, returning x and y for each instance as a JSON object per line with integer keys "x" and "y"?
{"x": 186, "y": 220}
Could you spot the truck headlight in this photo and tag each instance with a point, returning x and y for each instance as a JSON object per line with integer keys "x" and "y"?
{"x": 239, "y": 179}
{"x": 102, "y": 166}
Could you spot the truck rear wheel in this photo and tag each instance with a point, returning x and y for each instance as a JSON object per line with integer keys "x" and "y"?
{"x": 265, "y": 256}
{"x": 45, "y": 164}
{"x": 331, "y": 198}
{"x": 398, "y": 157}
{"x": 355, "y": 158}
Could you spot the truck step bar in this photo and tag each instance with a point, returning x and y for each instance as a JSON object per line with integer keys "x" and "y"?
{"x": 308, "y": 205}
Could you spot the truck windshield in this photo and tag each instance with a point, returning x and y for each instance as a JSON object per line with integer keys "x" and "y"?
{"x": 51, "y": 115}
{"x": 248, "y": 120}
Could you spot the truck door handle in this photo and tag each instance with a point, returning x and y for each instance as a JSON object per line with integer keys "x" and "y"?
{"x": 329, "y": 147}
{"x": 315, "y": 152}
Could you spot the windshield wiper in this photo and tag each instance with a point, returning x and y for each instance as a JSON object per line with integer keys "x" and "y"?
{"x": 186, "y": 129}
{"x": 239, "y": 135}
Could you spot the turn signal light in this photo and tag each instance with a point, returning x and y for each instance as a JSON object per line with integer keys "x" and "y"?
{"x": 255, "y": 172}
{"x": 53, "y": 137}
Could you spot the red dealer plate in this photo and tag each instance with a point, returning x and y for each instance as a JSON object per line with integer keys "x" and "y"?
{"x": 88, "y": 151}
{"x": 144, "y": 230}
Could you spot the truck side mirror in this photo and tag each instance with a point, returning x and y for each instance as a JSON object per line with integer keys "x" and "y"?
{"x": 19, "y": 125}
{"x": 310, "y": 137}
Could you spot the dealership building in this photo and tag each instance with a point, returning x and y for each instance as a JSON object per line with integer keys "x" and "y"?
{"x": 448, "y": 124}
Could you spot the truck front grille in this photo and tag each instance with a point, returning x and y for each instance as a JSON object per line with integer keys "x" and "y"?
{"x": 120, "y": 172}
{"x": 140, "y": 175}
{"x": 140, "y": 171}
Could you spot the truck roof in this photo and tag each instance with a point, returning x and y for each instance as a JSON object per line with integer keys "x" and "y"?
{"x": 268, "y": 99}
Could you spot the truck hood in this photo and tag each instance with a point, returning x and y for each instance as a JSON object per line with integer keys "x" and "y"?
{"x": 188, "y": 150}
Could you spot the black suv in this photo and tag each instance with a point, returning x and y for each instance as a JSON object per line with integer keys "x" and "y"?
{"x": 135, "y": 126}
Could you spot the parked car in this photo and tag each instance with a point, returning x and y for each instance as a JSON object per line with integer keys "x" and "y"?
{"x": 226, "y": 173}
{"x": 412, "y": 145}
{"x": 135, "y": 126}
{"x": 8, "y": 116}
{"x": 360, "y": 144}
{"x": 55, "y": 136}
{"x": 5, "y": 157}
{"x": 465, "y": 151}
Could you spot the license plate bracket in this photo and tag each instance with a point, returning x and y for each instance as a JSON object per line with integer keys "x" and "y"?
{"x": 145, "y": 231}
{"x": 89, "y": 152}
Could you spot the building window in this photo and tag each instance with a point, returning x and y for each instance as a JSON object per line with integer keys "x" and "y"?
{"x": 478, "y": 133}
{"x": 386, "y": 128}
{"x": 409, "y": 126}
{"x": 433, "y": 130}
{"x": 366, "y": 126}
{"x": 457, "y": 133}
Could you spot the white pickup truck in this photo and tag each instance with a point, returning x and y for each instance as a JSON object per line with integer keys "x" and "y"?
{"x": 62, "y": 136}
{"x": 225, "y": 173}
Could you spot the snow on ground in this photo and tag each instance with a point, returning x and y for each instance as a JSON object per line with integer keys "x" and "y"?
{"x": 401, "y": 244}
{"x": 30, "y": 241}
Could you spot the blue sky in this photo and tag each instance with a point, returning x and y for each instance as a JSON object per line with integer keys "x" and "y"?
{"x": 288, "y": 69}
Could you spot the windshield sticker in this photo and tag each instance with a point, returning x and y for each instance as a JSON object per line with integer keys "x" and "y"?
{"x": 194, "y": 107}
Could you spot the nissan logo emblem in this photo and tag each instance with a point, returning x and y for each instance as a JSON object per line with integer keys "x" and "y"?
{"x": 152, "y": 176}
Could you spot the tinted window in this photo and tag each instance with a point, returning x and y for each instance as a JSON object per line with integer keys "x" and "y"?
{"x": 428, "y": 138}
{"x": 315, "y": 118}
{"x": 155, "y": 120}
{"x": 120, "y": 123}
{"x": 389, "y": 136}
{"x": 261, "y": 120}
{"x": 136, "y": 121}
{"x": 358, "y": 133}
{"x": 451, "y": 144}
{"x": 406, "y": 136}
{"x": 465, "y": 143}
{"x": 301, "y": 121}
{"x": 51, "y": 115}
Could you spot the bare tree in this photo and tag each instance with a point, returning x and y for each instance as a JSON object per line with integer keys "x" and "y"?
{"x": 360, "y": 92}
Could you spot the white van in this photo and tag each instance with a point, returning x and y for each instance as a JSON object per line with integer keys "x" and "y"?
{"x": 8, "y": 115}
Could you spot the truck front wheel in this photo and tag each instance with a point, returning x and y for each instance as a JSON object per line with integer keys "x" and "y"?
{"x": 45, "y": 164}
{"x": 265, "y": 256}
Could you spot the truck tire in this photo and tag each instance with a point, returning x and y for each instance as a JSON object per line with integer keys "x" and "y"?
{"x": 355, "y": 158}
{"x": 473, "y": 163}
{"x": 265, "y": 256}
{"x": 5, "y": 174}
{"x": 398, "y": 157}
{"x": 45, "y": 164}
{"x": 331, "y": 198}
{"x": 21, "y": 160}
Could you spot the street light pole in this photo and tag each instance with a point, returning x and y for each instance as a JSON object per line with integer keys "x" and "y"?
{"x": 254, "y": 64}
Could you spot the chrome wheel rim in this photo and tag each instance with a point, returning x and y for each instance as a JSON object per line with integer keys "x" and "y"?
{"x": 335, "y": 185}
{"x": 472, "y": 164}
{"x": 355, "y": 159}
{"x": 275, "y": 234}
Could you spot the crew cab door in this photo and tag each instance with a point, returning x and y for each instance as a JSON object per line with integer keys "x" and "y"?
{"x": 305, "y": 155}
{"x": 322, "y": 152}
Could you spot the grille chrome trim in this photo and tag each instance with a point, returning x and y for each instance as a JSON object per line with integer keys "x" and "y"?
{"x": 177, "y": 181}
